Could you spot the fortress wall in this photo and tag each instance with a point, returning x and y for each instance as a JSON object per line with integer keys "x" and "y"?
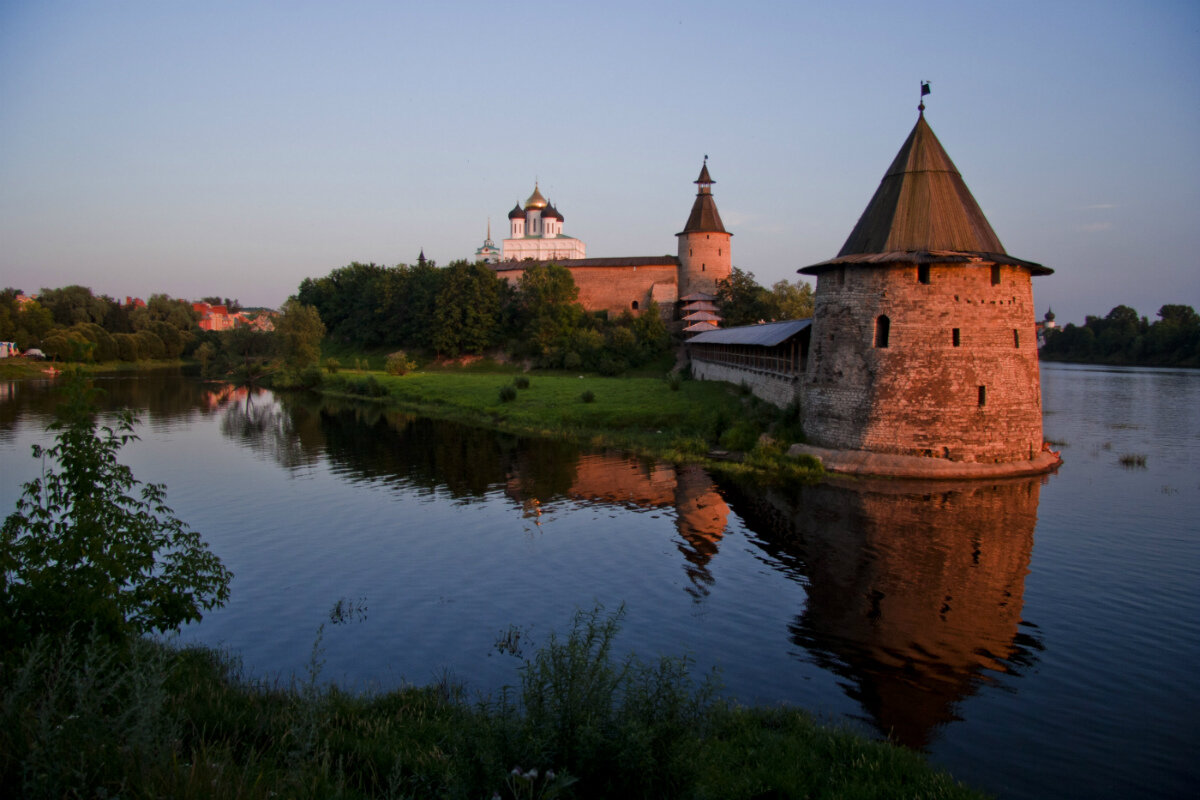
{"x": 616, "y": 289}
{"x": 921, "y": 394}
{"x": 775, "y": 389}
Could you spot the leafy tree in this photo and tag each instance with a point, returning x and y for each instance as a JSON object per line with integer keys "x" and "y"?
{"x": 789, "y": 300}
{"x": 64, "y": 344}
{"x": 162, "y": 308}
{"x": 205, "y": 354}
{"x": 246, "y": 352}
{"x": 651, "y": 332}
{"x": 467, "y": 310}
{"x": 127, "y": 346}
{"x": 416, "y": 318}
{"x": 8, "y": 314}
{"x": 33, "y": 323}
{"x": 150, "y": 345}
{"x": 104, "y": 346}
{"x": 90, "y": 544}
{"x": 117, "y": 319}
{"x": 72, "y": 304}
{"x": 298, "y": 334}
{"x": 547, "y": 299}
{"x": 741, "y": 300}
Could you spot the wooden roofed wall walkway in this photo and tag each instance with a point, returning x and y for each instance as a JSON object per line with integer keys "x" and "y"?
{"x": 785, "y": 360}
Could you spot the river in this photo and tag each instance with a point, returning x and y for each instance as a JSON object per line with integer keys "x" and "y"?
{"x": 1036, "y": 637}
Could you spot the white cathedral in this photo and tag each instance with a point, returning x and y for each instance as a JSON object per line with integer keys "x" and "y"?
{"x": 535, "y": 232}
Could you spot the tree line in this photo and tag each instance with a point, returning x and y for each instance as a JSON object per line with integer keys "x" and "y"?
{"x": 72, "y": 324}
{"x": 1122, "y": 337}
{"x": 467, "y": 309}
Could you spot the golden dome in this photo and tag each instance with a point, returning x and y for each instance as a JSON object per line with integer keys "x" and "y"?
{"x": 535, "y": 200}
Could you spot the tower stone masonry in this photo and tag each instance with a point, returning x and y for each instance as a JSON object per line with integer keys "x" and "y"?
{"x": 924, "y": 340}
{"x": 704, "y": 244}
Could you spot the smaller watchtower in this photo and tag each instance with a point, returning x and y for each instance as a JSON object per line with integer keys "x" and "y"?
{"x": 704, "y": 253}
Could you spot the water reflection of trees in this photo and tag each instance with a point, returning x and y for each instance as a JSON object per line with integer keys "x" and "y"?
{"x": 256, "y": 419}
{"x": 370, "y": 442}
{"x": 160, "y": 395}
{"x": 914, "y": 590}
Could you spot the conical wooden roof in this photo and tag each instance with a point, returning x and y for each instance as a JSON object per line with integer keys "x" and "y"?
{"x": 704, "y": 217}
{"x": 923, "y": 212}
{"x": 922, "y": 203}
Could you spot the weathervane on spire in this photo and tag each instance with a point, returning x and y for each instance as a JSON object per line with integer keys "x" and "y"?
{"x": 924, "y": 91}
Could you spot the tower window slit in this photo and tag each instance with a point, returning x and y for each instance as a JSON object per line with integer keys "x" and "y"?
{"x": 882, "y": 330}
{"x": 923, "y": 273}
{"x": 982, "y": 396}
{"x": 1016, "y": 338}
{"x": 995, "y": 274}
{"x": 955, "y": 336}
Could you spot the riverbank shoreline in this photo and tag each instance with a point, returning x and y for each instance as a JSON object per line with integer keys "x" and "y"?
{"x": 679, "y": 421}
{"x": 151, "y": 718}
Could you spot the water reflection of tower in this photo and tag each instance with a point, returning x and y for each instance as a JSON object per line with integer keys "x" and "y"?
{"x": 701, "y": 517}
{"x": 914, "y": 590}
{"x": 614, "y": 479}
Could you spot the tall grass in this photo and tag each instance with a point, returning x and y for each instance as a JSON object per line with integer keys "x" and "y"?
{"x": 84, "y": 717}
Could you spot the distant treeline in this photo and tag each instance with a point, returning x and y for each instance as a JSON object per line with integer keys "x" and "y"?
{"x": 467, "y": 308}
{"x": 72, "y": 324}
{"x": 1122, "y": 337}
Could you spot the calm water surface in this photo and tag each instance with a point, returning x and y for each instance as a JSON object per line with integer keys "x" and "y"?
{"x": 1037, "y": 637}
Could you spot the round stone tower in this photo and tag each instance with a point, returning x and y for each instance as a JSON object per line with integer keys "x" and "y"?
{"x": 924, "y": 339}
{"x": 704, "y": 256}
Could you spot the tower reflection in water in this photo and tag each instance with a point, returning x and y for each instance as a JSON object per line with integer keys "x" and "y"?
{"x": 914, "y": 589}
{"x": 701, "y": 513}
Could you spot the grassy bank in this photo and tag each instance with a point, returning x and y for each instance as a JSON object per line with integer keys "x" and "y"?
{"x": 672, "y": 419}
{"x": 17, "y": 368}
{"x": 88, "y": 719}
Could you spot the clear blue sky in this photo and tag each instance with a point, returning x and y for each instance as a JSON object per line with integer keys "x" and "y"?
{"x": 236, "y": 148}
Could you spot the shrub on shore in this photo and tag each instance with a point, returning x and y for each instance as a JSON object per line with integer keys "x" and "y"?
{"x": 83, "y": 716}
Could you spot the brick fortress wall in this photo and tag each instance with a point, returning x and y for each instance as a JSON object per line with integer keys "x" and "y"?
{"x": 616, "y": 288}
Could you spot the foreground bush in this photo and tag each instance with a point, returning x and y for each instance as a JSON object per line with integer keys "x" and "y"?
{"x": 90, "y": 545}
{"x": 81, "y": 716}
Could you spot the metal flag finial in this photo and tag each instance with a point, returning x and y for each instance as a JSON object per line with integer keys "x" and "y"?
{"x": 924, "y": 91}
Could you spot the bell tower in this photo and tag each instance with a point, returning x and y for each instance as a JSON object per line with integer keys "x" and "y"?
{"x": 704, "y": 256}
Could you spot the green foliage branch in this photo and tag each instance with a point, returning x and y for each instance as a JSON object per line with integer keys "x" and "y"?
{"x": 90, "y": 544}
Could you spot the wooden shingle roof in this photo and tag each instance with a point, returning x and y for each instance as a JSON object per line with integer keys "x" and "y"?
{"x": 704, "y": 217}
{"x": 924, "y": 212}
